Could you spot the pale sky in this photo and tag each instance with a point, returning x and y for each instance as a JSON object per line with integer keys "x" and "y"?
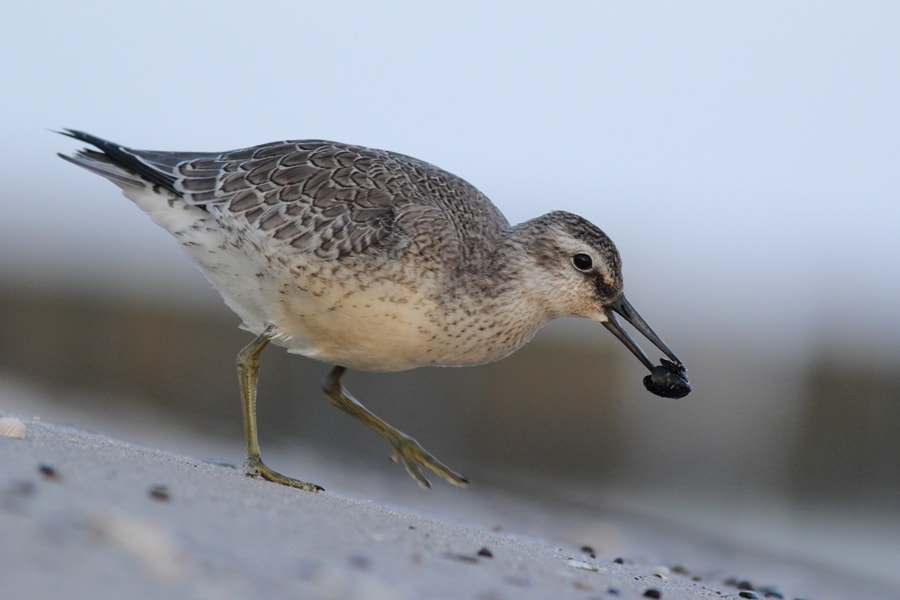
{"x": 743, "y": 155}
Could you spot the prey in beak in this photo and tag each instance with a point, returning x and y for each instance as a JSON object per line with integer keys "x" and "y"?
{"x": 667, "y": 379}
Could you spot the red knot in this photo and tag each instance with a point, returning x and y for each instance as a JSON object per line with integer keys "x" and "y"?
{"x": 372, "y": 260}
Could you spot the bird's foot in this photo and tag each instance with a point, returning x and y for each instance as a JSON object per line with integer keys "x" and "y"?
{"x": 413, "y": 456}
{"x": 254, "y": 466}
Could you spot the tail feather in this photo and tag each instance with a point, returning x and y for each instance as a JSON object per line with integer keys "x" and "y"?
{"x": 117, "y": 163}
{"x": 150, "y": 188}
{"x": 99, "y": 163}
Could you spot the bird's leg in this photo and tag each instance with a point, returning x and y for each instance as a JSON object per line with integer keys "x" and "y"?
{"x": 248, "y": 377}
{"x": 405, "y": 448}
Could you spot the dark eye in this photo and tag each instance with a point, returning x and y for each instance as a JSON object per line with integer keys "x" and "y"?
{"x": 582, "y": 262}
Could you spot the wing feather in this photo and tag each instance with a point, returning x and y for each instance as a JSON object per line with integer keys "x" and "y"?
{"x": 319, "y": 197}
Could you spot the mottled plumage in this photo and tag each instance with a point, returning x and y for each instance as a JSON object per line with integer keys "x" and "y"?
{"x": 368, "y": 259}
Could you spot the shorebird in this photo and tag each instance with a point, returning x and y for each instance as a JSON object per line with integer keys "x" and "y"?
{"x": 372, "y": 260}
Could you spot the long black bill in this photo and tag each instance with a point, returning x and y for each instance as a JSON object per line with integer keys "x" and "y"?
{"x": 622, "y": 306}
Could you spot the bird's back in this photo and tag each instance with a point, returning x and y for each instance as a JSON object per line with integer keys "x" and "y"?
{"x": 315, "y": 236}
{"x": 321, "y": 197}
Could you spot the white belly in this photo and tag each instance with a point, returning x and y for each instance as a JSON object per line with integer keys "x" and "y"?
{"x": 324, "y": 313}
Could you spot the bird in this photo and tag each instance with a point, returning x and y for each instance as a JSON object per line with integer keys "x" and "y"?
{"x": 372, "y": 260}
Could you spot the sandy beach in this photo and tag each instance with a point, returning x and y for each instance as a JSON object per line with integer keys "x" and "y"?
{"x": 88, "y": 516}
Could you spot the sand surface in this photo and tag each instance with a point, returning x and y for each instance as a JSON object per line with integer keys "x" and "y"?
{"x": 87, "y": 516}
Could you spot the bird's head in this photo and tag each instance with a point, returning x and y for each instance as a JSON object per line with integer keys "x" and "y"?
{"x": 580, "y": 274}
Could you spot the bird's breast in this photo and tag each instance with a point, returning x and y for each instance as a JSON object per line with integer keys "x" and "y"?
{"x": 392, "y": 327}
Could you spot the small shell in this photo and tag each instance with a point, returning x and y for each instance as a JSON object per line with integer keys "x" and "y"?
{"x": 668, "y": 380}
{"x": 12, "y": 427}
{"x": 580, "y": 564}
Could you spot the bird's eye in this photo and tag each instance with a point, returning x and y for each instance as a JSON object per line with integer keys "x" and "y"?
{"x": 582, "y": 262}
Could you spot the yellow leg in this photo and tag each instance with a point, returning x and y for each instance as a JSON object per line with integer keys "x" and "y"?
{"x": 405, "y": 448}
{"x": 248, "y": 377}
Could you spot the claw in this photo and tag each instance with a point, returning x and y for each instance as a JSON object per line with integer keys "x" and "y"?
{"x": 415, "y": 456}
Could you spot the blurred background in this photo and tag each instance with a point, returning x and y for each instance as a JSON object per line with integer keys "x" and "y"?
{"x": 743, "y": 156}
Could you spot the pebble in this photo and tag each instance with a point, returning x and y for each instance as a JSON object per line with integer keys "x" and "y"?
{"x": 13, "y": 427}
{"x": 48, "y": 470}
{"x": 160, "y": 492}
{"x": 748, "y": 594}
{"x": 485, "y": 552}
{"x": 652, "y": 593}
